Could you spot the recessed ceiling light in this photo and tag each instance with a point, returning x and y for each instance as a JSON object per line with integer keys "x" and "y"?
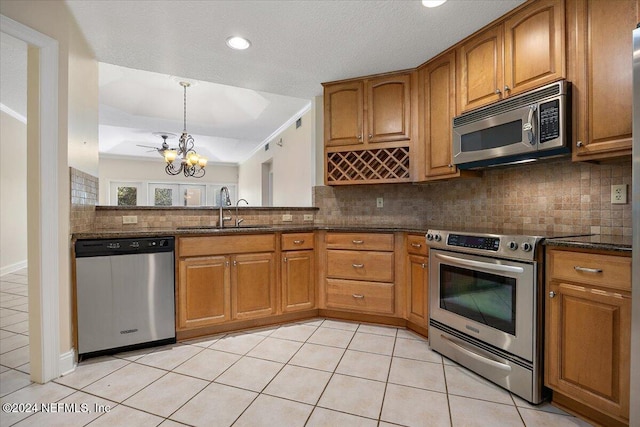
{"x": 432, "y": 3}
{"x": 238, "y": 43}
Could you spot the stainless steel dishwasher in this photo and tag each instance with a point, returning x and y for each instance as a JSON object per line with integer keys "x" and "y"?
{"x": 125, "y": 294}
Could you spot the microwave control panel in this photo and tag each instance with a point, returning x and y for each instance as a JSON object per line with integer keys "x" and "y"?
{"x": 549, "y": 120}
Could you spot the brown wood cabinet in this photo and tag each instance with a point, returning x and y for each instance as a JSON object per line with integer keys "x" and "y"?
{"x": 587, "y": 347}
{"x": 253, "y": 286}
{"x": 599, "y": 55}
{"x": 360, "y": 272}
{"x": 522, "y": 52}
{"x": 368, "y": 129}
{"x": 298, "y": 272}
{"x": 417, "y": 280}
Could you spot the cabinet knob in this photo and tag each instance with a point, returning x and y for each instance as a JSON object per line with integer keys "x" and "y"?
{"x": 416, "y": 245}
{"x": 359, "y": 137}
{"x": 370, "y": 136}
{"x": 284, "y": 259}
{"x": 424, "y": 265}
{"x": 227, "y": 263}
{"x": 579, "y": 144}
{"x": 552, "y": 294}
{"x": 298, "y": 242}
{"x": 450, "y": 165}
{"x": 235, "y": 263}
{"x": 498, "y": 92}
{"x": 507, "y": 88}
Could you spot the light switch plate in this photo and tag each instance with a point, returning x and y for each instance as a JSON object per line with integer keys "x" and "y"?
{"x": 287, "y": 218}
{"x": 129, "y": 219}
{"x": 380, "y": 202}
{"x": 308, "y": 217}
{"x": 619, "y": 194}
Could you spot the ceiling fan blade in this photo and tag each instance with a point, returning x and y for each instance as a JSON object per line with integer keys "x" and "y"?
{"x": 147, "y": 146}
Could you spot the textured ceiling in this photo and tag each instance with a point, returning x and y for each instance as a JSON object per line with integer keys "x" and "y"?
{"x": 296, "y": 45}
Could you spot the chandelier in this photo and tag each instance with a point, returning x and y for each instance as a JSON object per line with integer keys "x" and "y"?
{"x": 190, "y": 163}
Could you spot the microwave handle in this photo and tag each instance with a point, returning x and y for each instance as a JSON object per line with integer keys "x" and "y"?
{"x": 530, "y": 126}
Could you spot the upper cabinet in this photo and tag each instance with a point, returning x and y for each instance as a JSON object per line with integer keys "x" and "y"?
{"x": 524, "y": 51}
{"x": 599, "y": 58}
{"x": 368, "y": 129}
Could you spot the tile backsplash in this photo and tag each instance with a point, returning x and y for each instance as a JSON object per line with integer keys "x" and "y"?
{"x": 84, "y": 197}
{"x": 553, "y": 196}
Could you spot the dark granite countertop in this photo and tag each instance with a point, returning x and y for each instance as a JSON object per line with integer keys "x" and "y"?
{"x": 596, "y": 241}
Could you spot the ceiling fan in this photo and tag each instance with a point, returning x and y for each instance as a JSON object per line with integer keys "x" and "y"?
{"x": 165, "y": 144}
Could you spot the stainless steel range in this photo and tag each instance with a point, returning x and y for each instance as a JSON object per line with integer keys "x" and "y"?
{"x": 485, "y": 309}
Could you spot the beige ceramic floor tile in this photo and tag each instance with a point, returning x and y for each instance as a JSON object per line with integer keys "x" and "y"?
{"x": 217, "y": 405}
{"x": 208, "y": 364}
{"x": 462, "y": 382}
{"x": 134, "y": 354}
{"x": 467, "y": 412}
{"x": 77, "y": 409}
{"x": 6, "y": 334}
{"x": 352, "y": 395}
{"x": 91, "y": 370}
{"x": 250, "y": 374}
{"x": 3, "y": 369}
{"x": 269, "y": 411}
{"x": 19, "y": 328}
{"x": 300, "y": 384}
{"x": 331, "y": 337}
{"x": 123, "y": 416}
{"x": 11, "y": 381}
{"x": 544, "y": 406}
{"x": 13, "y": 342}
{"x": 415, "y": 349}
{"x": 414, "y": 407}
{"x": 35, "y": 393}
{"x": 317, "y": 321}
{"x": 125, "y": 382}
{"x": 388, "y": 331}
{"x": 339, "y": 324}
{"x": 12, "y": 319}
{"x": 14, "y": 301}
{"x": 15, "y": 358}
{"x": 204, "y": 341}
{"x": 535, "y": 418}
{"x": 275, "y": 349}
{"x": 169, "y": 357}
{"x": 410, "y": 335}
{"x": 237, "y": 343}
{"x": 294, "y": 332}
{"x": 364, "y": 365}
{"x": 26, "y": 368}
{"x": 318, "y": 357}
{"x": 372, "y": 343}
{"x": 322, "y": 417}
{"x": 416, "y": 373}
{"x": 166, "y": 395}
{"x": 171, "y": 423}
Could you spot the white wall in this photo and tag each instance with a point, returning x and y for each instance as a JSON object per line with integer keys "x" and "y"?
{"x": 293, "y": 167}
{"x": 13, "y": 193}
{"x": 112, "y": 169}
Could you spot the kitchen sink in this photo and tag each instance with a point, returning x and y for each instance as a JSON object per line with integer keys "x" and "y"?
{"x": 216, "y": 228}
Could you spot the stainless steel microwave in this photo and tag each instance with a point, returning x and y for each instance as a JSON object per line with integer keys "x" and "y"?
{"x": 518, "y": 129}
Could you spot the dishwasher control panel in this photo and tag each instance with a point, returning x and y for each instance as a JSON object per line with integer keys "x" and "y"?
{"x": 100, "y": 247}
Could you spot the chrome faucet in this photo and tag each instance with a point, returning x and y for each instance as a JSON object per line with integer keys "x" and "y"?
{"x": 239, "y": 220}
{"x": 225, "y": 200}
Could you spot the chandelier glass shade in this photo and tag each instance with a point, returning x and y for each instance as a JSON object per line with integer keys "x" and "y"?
{"x": 184, "y": 158}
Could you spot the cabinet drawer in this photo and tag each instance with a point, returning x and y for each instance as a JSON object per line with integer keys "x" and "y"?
{"x": 360, "y": 241}
{"x": 297, "y": 241}
{"x": 361, "y": 296}
{"x": 417, "y": 244}
{"x": 222, "y": 245}
{"x": 360, "y": 265}
{"x": 608, "y": 271}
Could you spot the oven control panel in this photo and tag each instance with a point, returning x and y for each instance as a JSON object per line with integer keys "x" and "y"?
{"x": 474, "y": 242}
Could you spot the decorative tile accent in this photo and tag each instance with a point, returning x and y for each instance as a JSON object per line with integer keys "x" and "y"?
{"x": 84, "y": 198}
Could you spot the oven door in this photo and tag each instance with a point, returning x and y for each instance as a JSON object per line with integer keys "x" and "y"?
{"x": 491, "y": 300}
{"x": 506, "y": 134}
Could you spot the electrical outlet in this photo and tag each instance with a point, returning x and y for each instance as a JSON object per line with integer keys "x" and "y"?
{"x": 308, "y": 217}
{"x": 287, "y": 218}
{"x": 129, "y": 219}
{"x": 619, "y": 194}
{"x": 380, "y": 202}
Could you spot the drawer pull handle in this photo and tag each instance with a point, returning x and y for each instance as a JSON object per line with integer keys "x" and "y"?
{"x": 357, "y": 265}
{"x": 588, "y": 270}
{"x": 416, "y": 245}
{"x": 285, "y": 259}
{"x": 358, "y": 296}
{"x": 357, "y": 242}
{"x": 298, "y": 242}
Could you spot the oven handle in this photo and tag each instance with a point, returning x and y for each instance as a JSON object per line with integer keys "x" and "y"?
{"x": 477, "y": 356}
{"x": 479, "y": 264}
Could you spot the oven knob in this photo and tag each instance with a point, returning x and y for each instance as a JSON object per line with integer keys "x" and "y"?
{"x": 429, "y": 236}
{"x": 526, "y": 246}
{"x": 437, "y": 238}
{"x": 513, "y": 246}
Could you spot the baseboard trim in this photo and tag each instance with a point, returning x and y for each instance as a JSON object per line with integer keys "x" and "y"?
{"x": 68, "y": 362}
{"x": 8, "y": 269}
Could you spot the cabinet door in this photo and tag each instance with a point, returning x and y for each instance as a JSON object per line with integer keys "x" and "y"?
{"x": 418, "y": 290}
{"x": 437, "y": 111}
{"x": 480, "y": 69}
{"x": 343, "y": 114}
{"x": 298, "y": 284}
{"x": 534, "y": 47}
{"x": 253, "y": 287}
{"x": 603, "y": 87}
{"x": 389, "y": 108}
{"x": 203, "y": 291}
{"x": 588, "y": 346}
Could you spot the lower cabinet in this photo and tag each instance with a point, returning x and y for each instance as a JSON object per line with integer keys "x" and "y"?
{"x": 298, "y": 283}
{"x": 588, "y": 309}
{"x": 253, "y": 286}
{"x": 417, "y": 280}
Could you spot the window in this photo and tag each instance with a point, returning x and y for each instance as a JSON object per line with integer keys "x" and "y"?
{"x": 127, "y": 194}
{"x": 163, "y": 194}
